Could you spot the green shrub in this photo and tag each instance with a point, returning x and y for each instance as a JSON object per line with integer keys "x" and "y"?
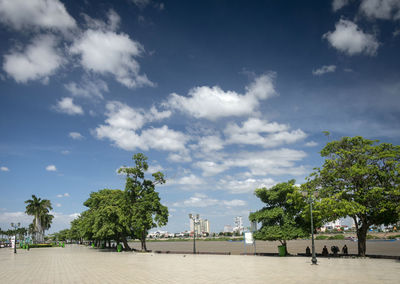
{"x": 336, "y": 237}
{"x": 40, "y": 246}
{"x": 393, "y": 237}
{"x": 372, "y": 237}
{"x": 321, "y": 237}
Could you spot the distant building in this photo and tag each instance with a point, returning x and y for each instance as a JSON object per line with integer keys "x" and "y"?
{"x": 238, "y": 221}
{"x": 337, "y": 224}
{"x": 203, "y": 226}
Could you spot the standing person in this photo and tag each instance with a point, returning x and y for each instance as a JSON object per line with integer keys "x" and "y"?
{"x": 325, "y": 251}
{"x": 308, "y": 251}
{"x": 344, "y": 250}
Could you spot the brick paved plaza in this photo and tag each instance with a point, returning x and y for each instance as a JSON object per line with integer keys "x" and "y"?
{"x": 75, "y": 264}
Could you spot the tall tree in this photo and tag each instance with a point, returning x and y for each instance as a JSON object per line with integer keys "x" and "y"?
{"x": 359, "y": 178}
{"x": 39, "y": 209}
{"x": 281, "y": 217}
{"x": 110, "y": 212}
{"x": 147, "y": 210}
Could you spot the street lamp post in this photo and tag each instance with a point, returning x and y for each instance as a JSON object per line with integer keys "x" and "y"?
{"x": 195, "y": 220}
{"x": 15, "y": 226}
{"x": 310, "y": 201}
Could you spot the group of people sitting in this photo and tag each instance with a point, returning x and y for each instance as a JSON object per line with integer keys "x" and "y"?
{"x": 334, "y": 249}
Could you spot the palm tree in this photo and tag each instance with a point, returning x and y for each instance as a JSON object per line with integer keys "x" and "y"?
{"x": 39, "y": 209}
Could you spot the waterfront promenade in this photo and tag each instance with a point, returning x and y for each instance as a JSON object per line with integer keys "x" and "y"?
{"x": 78, "y": 264}
{"x": 376, "y": 247}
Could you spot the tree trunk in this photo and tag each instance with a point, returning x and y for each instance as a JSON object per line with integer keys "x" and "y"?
{"x": 143, "y": 241}
{"x": 285, "y": 244}
{"x": 125, "y": 242}
{"x": 362, "y": 239}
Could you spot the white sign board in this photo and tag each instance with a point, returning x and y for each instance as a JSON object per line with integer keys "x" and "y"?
{"x": 12, "y": 241}
{"x": 248, "y": 238}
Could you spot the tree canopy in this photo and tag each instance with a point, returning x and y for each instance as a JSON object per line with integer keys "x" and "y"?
{"x": 359, "y": 178}
{"x": 281, "y": 218}
{"x": 117, "y": 215}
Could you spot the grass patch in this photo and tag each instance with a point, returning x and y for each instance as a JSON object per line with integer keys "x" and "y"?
{"x": 393, "y": 237}
{"x": 321, "y": 237}
{"x": 336, "y": 237}
{"x": 372, "y": 237}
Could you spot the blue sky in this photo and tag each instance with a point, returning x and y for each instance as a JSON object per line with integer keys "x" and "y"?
{"x": 222, "y": 96}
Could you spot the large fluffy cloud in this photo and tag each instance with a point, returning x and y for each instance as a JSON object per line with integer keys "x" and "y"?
{"x": 381, "y": 9}
{"x": 39, "y": 60}
{"x": 351, "y": 40}
{"x": 107, "y": 52}
{"x": 213, "y": 102}
{"x": 259, "y": 163}
{"x": 122, "y": 125}
{"x": 48, "y": 14}
{"x": 255, "y": 131}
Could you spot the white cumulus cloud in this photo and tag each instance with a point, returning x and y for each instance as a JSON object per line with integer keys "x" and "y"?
{"x": 110, "y": 53}
{"x": 4, "y": 169}
{"x": 339, "y": 4}
{"x": 190, "y": 180}
{"x": 66, "y": 105}
{"x": 28, "y": 14}
{"x": 259, "y": 163}
{"x": 238, "y": 186}
{"x": 122, "y": 125}
{"x": 75, "y": 135}
{"x": 311, "y": 144}
{"x": 255, "y": 131}
{"x": 381, "y": 9}
{"x": 351, "y": 40}
{"x": 324, "y": 69}
{"x": 213, "y": 102}
{"x": 39, "y": 60}
{"x": 51, "y": 168}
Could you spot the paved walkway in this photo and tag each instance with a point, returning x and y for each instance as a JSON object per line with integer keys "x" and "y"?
{"x": 75, "y": 264}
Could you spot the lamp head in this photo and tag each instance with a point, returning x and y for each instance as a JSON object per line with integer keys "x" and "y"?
{"x": 190, "y": 215}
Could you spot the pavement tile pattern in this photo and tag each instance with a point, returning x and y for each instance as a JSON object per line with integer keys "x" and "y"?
{"x": 78, "y": 264}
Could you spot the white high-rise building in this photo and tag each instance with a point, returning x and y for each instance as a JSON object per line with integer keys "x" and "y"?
{"x": 238, "y": 224}
{"x": 203, "y": 226}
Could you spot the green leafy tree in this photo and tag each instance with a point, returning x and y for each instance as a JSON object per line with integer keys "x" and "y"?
{"x": 147, "y": 210}
{"x": 281, "y": 217}
{"x": 359, "y": 178}
{"x": 111, "y": 213}
{"x": 39, "y": 209}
